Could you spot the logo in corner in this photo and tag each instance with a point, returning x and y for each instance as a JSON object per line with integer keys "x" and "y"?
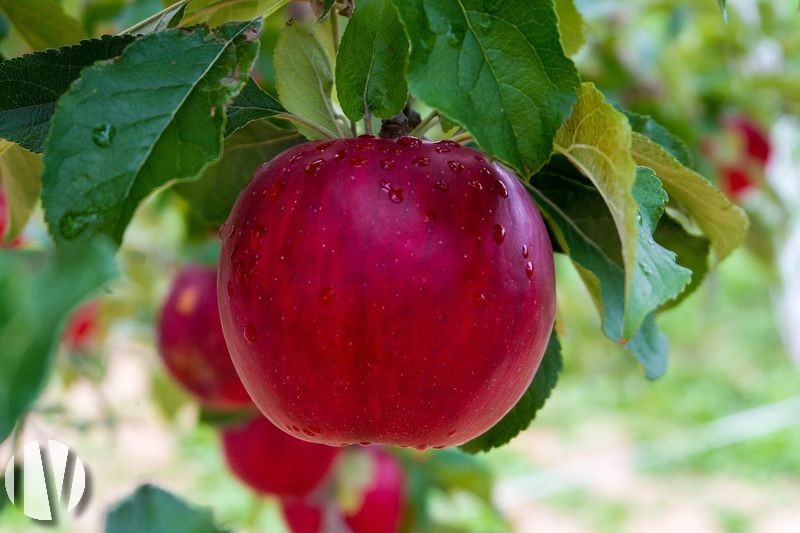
{"x": 52, "y": 476}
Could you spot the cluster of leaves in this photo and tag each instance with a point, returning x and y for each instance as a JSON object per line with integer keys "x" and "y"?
{"x": 96, "y": 127}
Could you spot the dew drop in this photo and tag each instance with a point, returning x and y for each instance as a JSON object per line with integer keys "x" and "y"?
{"x": 525, "y": 251}
{"x": 340, "y": 155}
{"x": 455, "y": 166}
{"x": 443, "y": 149}
{"x": 365, "y": 443}
{"x": 314, "y": 167}
{"x": 421, "y": 447}
{"x": 309, "y": 432}
{"x": 646, "y": 269}
{"x": 441, "y": 185}
{"x": 366, "y": 136}
{"x": 486, "y": 172}
{"x": 74, "y": 223}
{"x": 324, "y": 146}
{"x": 498, "y": 233}
{"x": 250, "y": 333}
{"x": 296, "y": 157}
{"x": 475, "y": 184}
{"x": 358, "y": 161}
{"x": 103, "y": 134}
{"x": 529, "y": 269}
{"x": 421, "y": 161}
{"x": 395, "y": 193}
{"x": 430, "y": 216}
{"x": 451, "y": 433}
{"x": 409, "y": 142}
{"x": 501, "y": 188}
{"x": 387, "y": 164}
{"x": 479, "y": 298}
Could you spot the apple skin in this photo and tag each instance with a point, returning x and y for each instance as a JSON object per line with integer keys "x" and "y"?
{"x": 270, "y": 461}
{"x": 384, "y": 500}
{"x": 191, "y": 342}
{"x": 398, "y": 292}
{"x": 303, "y": 517}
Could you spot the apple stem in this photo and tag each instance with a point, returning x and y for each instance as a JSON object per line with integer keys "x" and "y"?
{"x": 368, "y": 121}
{"x": 462, "y": 137}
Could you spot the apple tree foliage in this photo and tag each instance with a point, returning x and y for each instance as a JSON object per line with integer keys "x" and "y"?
{"x": 92, "y": 125}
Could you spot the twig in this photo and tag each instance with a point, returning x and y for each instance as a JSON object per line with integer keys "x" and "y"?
{"x": 462, "y": 137}
{"x": 426, "y": 124}
{"x": 154, "y": 16}
{"x": 307, "y": 123}
{"x": 368, "y": 121}
{"x": 335, "y": 31}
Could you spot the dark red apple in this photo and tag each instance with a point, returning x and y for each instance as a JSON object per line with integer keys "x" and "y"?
{"x": 273, "y": 462}
{"x": 191, "y": 342}
{"x": 379, "y": 511}
{"x": 385, "y": 291}
{"x": 82, "y": 327}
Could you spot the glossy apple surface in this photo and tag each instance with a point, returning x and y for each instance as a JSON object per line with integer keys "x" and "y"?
{"x": 385, "y": 291}
{"x": 271, "y": 461}
{"x": 191, "y": 342}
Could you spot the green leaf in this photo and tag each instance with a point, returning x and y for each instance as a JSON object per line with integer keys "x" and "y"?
{"x": 651, "y": 348}
{"x": 723, "y": 5}
{"x": 30, "y": 85}
{"x": 657, "y": 133}
{"x": 252, "y": 103}
{"x": 372, "y": 61}
{"x": 37, "y": 291}
{"x": 724, "y": 223}
{"x": 495, "y": 66}
{"x": 325, "y": 7}
{"x": 155, "y": 510}
{"x": 213, "y": 195}
{"x": 219, "y": 417}
{"x": 571, "y": 26}
{"x": 522, "y": 414}
{"x": 585, "y": 229}
{"x": 596, "y": 139}
{"x": 658, "y": 277}
{"x": 21, "y": 173}
{"x": 693, "y": 253}
{"x": 304, "y": 80}
{"x": 169, "y": 17}
{"x": 216, "y": 12}
{"x": 135, "y": 124}
{"x": 452, "y": 470}
{"x": 42, "y": 23}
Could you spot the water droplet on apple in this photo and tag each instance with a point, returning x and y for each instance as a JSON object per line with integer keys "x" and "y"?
{"x": 455, "y": 166}
{"x": 421, "y": 161}
{"x": 409, "y": 142}
{"x": 501, "y": 188}
{"x": 475, "y": 184}
{"x": 441, "y": 185}
{"x": 314, "y": 167}
{"x": 525, "y": 251}
{"x": 498, "y": 233}
{"x": 387, "y": 164}
{"x": 326, "y": 294}
{"x": 358, "y": 161}
{"x": 529, "y": 269}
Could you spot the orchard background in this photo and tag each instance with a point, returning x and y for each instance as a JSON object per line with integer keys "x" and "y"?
{"x": 658, "y": 138}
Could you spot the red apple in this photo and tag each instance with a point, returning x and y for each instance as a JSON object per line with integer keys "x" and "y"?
{"x": 82, "y": 326}
{"x": 273, "y": 462}
{"x": 379, "y": 511}
{"x": 382, "y": 507}
{"x": 385, "y": 291}
{"x": 191, "y": 342}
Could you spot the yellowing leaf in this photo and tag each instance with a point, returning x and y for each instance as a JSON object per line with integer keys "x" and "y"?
{"x": 724, "y": 223}
{"x": 571, "y": 26}
{"x": 21, "y": 173}
{"x": 597, "y": 140}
